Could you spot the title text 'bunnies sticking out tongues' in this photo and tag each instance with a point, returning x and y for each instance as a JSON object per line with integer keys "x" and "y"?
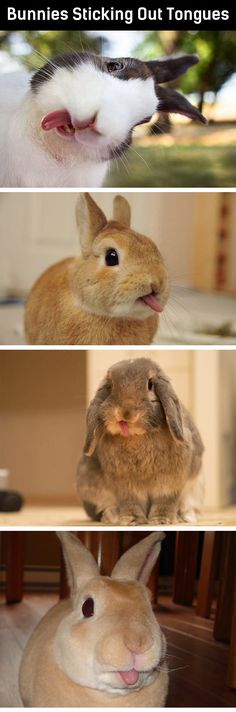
{"x": 79, "y": 113}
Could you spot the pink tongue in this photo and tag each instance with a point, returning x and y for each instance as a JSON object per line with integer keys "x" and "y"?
{"x": 55, "y": 120}
{"x": 130, "y": 676}
{"x": 152, "y": 302}
{"x": 124, "y": 428}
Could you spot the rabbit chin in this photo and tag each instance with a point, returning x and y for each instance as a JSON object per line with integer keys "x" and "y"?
{"x": 133, "y": 309}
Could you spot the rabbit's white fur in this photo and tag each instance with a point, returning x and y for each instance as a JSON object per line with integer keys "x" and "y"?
{"x": 30, "y": 157}
{"x": 115, "y": 657}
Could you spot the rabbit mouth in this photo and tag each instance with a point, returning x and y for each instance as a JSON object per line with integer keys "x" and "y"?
{"x": 124, "y": 428}
{"x": 65, "y": 127}
{"x": 152, "y": 300}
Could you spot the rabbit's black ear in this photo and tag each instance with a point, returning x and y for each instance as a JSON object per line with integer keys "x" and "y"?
{"x": 95, "y": 424}
{"x": 90, "y": 220}
{"x": 166, "y": 69}
{"x": 172, "y": 102}
{"x": 170, "y": 404}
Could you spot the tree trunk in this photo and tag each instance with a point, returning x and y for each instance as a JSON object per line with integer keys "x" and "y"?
{"x": 201, "y": 101}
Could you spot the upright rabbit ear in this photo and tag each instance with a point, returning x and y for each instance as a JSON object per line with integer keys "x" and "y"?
{"x": 170, "y": 404}
{"x": 121, "y": 211}
{"x": 90, "y": 220}
{"x": 80, "y": 564}
{"x": 138, "y": 562}
{"x": 170, "y": 101}
{"x": 95, "y": 424}
{"x": 166, "y": 69}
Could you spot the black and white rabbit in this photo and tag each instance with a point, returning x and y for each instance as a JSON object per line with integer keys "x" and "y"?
{"x": 77, "y": 114}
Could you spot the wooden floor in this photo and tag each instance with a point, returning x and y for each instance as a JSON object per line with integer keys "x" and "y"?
{"x": 196, "y": 662}
{"x": 70, "y": 516}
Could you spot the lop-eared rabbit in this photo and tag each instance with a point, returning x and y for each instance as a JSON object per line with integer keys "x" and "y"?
{"x": 112, "y": 294}
{"x": 143, "y": 452}
{"x": 103, "y": 647}
{"x": 62, "y": 127}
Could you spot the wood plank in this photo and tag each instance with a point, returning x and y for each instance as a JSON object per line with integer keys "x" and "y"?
{"x": 207, "y": 574}
{"x": 186, "y": 549}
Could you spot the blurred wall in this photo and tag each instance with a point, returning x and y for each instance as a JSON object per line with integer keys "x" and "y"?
{"x": 42, "y": 421}
{"x": 38, "y": 229}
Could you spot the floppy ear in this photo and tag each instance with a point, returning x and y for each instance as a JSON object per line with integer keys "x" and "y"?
{"x": 80, "y": 564}
{"x": 95, "y": 424}
{"x": 90, "y": 220}
{"x": 121, "y": 211}
{"x": 166, "y": 69}
{"x": 170, "y": 404}
{"x": 138, "y": 562}
{"x": 172, "y": 102}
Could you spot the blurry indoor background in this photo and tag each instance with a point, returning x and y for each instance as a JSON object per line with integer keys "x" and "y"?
{"x": 43, "y": 401}
{"x": 195, "y": 232}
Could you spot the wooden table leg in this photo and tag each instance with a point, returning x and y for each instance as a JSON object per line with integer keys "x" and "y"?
{"x": 231, "y": 677}
{"x": 186, "y": 550}
{"x": 210, "y": 556}
{"x": 224, "y": 609}
{"x": 14, "y": 544}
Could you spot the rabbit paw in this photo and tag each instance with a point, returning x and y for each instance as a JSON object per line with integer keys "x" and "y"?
{"x": 156, "y": 521}
{"x": 190, "y": 516}
{"x": 110, "y": 516}
{"x": 131, "y": 520}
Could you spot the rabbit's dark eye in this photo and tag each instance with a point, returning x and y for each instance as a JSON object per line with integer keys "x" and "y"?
{"x": 150, "y": 384}
{"x": 88, "y": 608}
{"x": 111, "y": 258}
{"x": 114, "y": 66}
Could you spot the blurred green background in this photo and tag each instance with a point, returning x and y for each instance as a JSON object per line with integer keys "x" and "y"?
{"x": 172, "y": 151}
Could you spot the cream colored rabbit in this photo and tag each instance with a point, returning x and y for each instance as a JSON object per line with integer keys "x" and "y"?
{"x": 112, "y": 294}
{"x": 103, "y": 647}
{"x": 143, "y": 452}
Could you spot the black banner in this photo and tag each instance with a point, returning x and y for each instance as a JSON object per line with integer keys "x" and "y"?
{"x": 103, "y": 15}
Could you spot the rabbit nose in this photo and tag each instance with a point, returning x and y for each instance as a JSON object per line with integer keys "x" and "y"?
{"x": 138, "y": 641}
{"x": 127, "y": 413}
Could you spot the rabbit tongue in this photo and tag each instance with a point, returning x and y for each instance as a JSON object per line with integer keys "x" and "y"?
{"x": 55, "y": 119}
{"x": 152, "y": 301}
{"x": 130, "y": 677}
{"x": 124, "y": 427}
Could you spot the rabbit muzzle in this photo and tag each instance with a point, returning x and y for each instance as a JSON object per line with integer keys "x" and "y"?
{"x": 66, "y": 126}
{"x": 131, "y": 658}
{"x": 124, "y": 419}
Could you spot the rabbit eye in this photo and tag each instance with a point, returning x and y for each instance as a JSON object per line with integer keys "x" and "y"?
{"x": 150, "y": 384}
{"x": 114, "y": 66}
{"x": 88, "y": 608}
{"x": 111, "y": 258}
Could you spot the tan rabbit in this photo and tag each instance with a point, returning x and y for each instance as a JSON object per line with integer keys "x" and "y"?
{"x": 112, "y": 294}
{"x": 103, "y": 647}
{"x": 143, "y": 452}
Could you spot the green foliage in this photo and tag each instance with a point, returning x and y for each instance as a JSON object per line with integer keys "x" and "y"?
{"x": 44, "y": 45}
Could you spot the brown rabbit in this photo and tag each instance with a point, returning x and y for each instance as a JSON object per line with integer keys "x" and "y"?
{"x": 143, "y": 451}
{"x": 103, "y": 647}
{"x": 112, "y": 294}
